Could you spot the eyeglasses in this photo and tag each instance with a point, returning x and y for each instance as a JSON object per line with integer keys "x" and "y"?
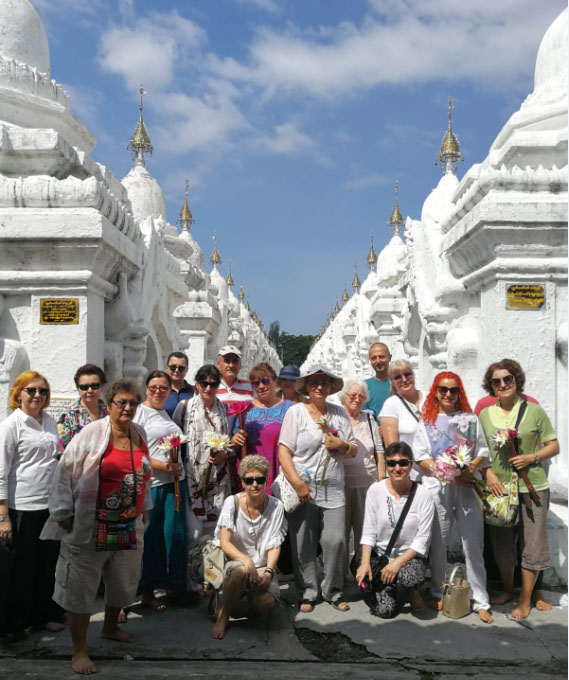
{"x": 42, "y": 391}
{"x": 206, "y": 383}
{"x": 399, "y": 378}
{"x": 507, "y": 380}
{"x": 402, "y": 462}
{"x": 356, "y": 395}
{"x": 176, "y": 368}
{"x": 254, "y": 480}
{"x": 263, "y": 381}
{"x": 157, "y": 388}
{"x": 123, "y": 403}
{"x": 453, "y": 390}
{"x": 89, "y": 386}
{"x": 314, "y": 382}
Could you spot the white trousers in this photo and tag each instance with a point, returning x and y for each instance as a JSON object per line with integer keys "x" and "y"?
{"x": 461, "y": 505}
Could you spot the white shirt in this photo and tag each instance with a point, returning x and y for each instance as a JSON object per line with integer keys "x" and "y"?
{"x": 28, "y": 461}
{"x": 241, "y": 390}
{"x": 361, "y": 471}
{"x": 157, "y": 424}
{"x": 254, "y": 537}
{"x": 325, "y": 469}
{"x": 382, "y": 512}
{"x": 406, "y": 424}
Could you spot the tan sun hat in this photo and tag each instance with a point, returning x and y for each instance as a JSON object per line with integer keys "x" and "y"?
{"x": 336, "y": 383}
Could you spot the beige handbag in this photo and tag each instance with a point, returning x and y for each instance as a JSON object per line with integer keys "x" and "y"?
{"x": 456, "y": 595}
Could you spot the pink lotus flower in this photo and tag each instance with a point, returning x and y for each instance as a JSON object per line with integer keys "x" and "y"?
{"x": 235, "y": 408}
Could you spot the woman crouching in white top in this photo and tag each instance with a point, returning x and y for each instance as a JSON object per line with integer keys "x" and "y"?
{"x": 251, "y": 540}
{"x": 385, "y": 501}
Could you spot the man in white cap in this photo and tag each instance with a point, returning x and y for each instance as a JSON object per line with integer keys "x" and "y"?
{"x": 232, "y": 388}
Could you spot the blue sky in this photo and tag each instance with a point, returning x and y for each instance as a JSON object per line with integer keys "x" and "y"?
{"x": 292, "y": 119}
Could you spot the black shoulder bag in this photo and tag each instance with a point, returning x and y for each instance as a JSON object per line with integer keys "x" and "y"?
{"x": 377, "y": 562}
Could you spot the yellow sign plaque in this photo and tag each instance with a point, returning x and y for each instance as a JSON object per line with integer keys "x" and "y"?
{"x": 58, "y": 311}
{"x": 525, "y": 296}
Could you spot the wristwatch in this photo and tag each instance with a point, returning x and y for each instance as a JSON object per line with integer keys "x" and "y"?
{"x": 537, "y": 461}
{"x": 3, "y": 518}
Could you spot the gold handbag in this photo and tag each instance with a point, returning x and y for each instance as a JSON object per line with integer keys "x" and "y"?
{"x": 456, "y": 595}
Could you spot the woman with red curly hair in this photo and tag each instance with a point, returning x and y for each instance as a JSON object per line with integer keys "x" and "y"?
{"x": 448, "y": 422}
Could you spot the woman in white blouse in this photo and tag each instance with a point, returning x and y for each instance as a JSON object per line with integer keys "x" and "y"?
{"x": 250, "y": 531}
{"x": 28, "y": 450}
{"x": 315, "y": 439}
{"x": 368, "y": 465}
{"x": 164, "y": 561}
{"x": 385, "y": 501}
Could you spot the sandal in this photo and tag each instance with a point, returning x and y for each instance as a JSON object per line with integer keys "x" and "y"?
{"x": 340, "y": 604}
{"x": 308, "y": 604}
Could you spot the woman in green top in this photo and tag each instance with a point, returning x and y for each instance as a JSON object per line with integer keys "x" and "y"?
{"x": 505, "y": 380}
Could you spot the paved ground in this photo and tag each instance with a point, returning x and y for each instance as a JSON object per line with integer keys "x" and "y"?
{"x": 323, "y": 645}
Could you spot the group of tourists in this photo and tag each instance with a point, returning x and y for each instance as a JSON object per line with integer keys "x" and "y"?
{"x": 121, "y": 488}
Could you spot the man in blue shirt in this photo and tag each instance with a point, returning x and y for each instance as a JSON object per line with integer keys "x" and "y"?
{"x": 379, "y": 385}
{"x": 177, "y": 367}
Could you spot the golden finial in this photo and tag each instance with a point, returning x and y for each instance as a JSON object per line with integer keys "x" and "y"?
{"x": 185, "y": 218}
{"x": 248, "y": 306}
{"x": 449, "y": 153}
{"x": 215, "y": 258}
{"x": 345, "y": 296}
{"x": 241, "y": 293}
{"x": 336, "y": 306}
{"x": 140, "y": 141}
{"x": 395, "y": 219}
{"x": 230, "y": 281}
{"x": 356, "y": 283}
{"x": 254, "y": 316}
{"x": 371, "y": 256}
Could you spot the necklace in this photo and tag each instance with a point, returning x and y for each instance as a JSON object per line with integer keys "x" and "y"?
{"x": 255, "y": 531}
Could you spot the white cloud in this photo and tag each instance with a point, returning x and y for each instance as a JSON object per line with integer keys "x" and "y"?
{"x": 286, "y": 139}
{"x": 148, "y": 51}
{"x": 267, "y": 5}
{"x": 66, "y": 6}
{"x": 373, "y": 179}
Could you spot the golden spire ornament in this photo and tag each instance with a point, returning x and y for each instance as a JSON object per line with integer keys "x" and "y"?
{"x": 371, "y": 256}
{"x": 185, "y": 218}
{"x": 395, "y": 219}
{"x": 449, "y": 154}
{"x": 345, "y": 296}
{"x": 241, "y": 293}
{"x": 215, "y": 258}
{"x": 230, "y": 281}
{"x": 356, "y": 283}
{"x": 140, "y": 140}
{"x": 336, "y": 306}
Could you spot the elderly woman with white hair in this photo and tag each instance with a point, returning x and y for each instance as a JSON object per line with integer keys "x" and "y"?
{"x": 367, "y": 467}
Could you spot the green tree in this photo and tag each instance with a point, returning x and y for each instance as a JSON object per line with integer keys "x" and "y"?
{"x": 293, "y": 349}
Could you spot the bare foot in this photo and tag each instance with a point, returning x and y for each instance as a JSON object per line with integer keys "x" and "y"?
{"x": 521, "y": 611}
{"x": 56, "y": 627}
{"x": 540, "y": 601}
{"x": 437, "y": 604}
{"x": 416, "y": 600}
{"x": 218, "y": 631}
{"x": 117, "y": 634}
{"x": 153, "y": 603}
{"x": 122, "y": 616}
{"x": 82, "y": 664}
{"x": 502, "y": 598}
{"x": 485, "y": 616}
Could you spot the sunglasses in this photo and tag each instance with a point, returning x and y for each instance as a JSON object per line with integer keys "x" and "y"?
{"x": 507, "y": 380}
{"x": 453, "y": 390}
{"x": 89, "y": 386}
{"x": 123, "y": 403}
{"x": 254, "y": 480}
{"x": 157, "y": 388}
{"x": 174, "y": 367}
{"x": 262, "y": 381}
{"x": 206, "y": 383}
{"x": 399, "y": 378}
{"x": 42, "y": 391}
{"x": 402, "y": 462}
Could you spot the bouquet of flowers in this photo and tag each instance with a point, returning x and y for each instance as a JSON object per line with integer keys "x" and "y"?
{"x": 324, "y": 425}
{"x": 450, "y": 464}
{"x": 215, "y": 442}
{"x": 171, "y": 444}
{"x": 507, "y": 438}
{"x": 239, "y": 409}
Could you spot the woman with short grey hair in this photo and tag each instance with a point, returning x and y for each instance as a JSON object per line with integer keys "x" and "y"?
{"x": 367, "y": 467}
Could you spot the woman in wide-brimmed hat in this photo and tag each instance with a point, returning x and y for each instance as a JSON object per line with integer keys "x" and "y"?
{"x": 315, "y": 438}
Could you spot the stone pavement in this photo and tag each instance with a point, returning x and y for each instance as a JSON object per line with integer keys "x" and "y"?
{"x": 324, "y": 644}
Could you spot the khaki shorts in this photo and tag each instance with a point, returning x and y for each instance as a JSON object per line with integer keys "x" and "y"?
{"x": 80, "y": 568}
{"x": 532, "y": 532}
{"x": 273, "y": 588}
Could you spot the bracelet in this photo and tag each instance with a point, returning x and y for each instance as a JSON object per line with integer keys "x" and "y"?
{"x": 3, "y": 518}
{"x": 537, "y": 460}
{"x": 271, "y": 571}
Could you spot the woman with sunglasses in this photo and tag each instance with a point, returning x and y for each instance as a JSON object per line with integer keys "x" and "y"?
{"x": 28, "y": 450}
{"x": 89, "y": 381}
{"x": 264, "y": 419}
{"x": 99, "y": 501}
{"x": 505, "y": 379}
{"x": 164, "y": 561}
{"x": 207, "y": 472}
{"x": 250, "y": 531}
{"x": 385, "y": 500}
{"x": 448, "y": 421}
